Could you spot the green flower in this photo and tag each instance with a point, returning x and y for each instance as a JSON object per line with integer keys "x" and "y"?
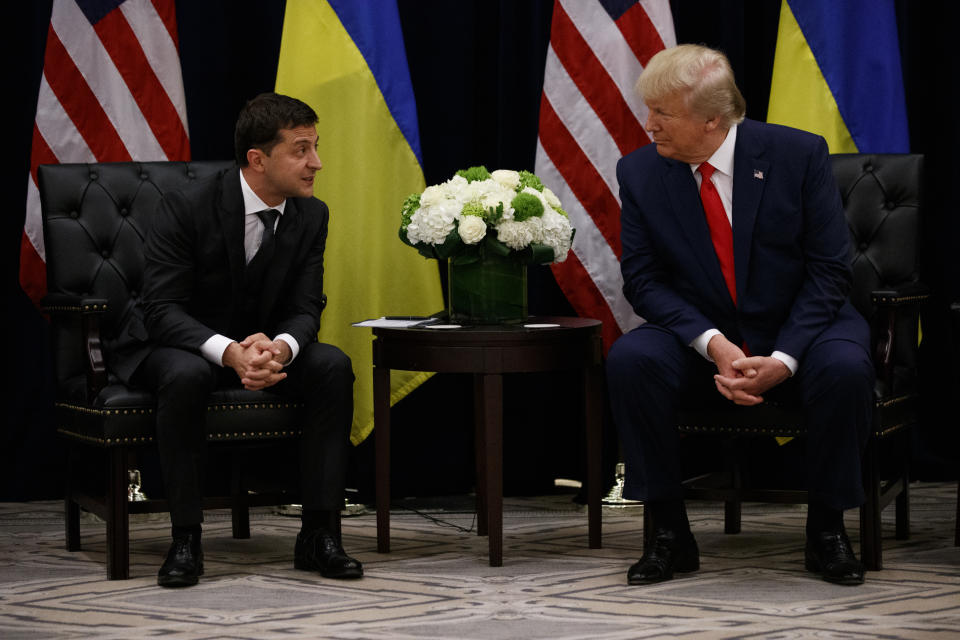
{"x": 472, "y": 209}
{"x": 410, "y": 206}
{"x": 528, "y": 179}
{"x": 474, "y": 174}
{"x": 526, "y": 205}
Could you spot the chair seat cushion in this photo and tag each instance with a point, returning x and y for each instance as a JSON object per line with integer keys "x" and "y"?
{"x": 121, "y": 415}
{"x": 891, "y": 413}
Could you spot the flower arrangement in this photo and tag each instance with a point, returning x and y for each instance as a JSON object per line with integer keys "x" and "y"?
{"x": 503, "y": 213}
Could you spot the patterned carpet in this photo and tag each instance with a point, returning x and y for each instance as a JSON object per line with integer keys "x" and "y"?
{"x": 437, "y": 584}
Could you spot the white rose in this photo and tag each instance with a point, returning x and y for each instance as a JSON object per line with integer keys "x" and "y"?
{"x": 432, "y": 196}
{"x": 551, "y": 198}
{"x": 507, "y": 178}
{"x": 472, "y": 229}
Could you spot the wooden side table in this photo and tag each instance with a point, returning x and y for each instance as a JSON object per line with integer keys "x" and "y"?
{"x": 488, "y": 352}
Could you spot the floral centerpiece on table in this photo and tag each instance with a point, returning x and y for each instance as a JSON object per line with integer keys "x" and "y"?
{"x": 489, "y": 227}
{"x": 507, "y": 213}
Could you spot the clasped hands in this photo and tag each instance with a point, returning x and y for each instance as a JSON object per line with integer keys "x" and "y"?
{"x": 743, "y": 379}
{"x": 258, "y": 360}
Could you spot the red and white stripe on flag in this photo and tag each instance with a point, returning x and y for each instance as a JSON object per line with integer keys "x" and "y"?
{"x": 111, "y": 91}
{"x": 589, "y": 118}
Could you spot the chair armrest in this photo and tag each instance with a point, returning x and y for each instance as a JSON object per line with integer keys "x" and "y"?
{"x": 86, "y": 312}
{"x": 898, "y": 309}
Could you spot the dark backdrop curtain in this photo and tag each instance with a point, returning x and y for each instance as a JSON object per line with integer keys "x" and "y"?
{"x": 477, "y": 71}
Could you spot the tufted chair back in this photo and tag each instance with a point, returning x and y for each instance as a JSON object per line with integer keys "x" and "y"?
{"x": 881, "y": 198}
{"x": 96, "y": 217}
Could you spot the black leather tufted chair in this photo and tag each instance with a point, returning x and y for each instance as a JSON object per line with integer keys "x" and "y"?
{"x": 881, "y": 199}
{"x": 95, "y": 218}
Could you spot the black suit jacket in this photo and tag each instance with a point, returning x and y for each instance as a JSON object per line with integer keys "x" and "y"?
{"x": 194, "y": 273}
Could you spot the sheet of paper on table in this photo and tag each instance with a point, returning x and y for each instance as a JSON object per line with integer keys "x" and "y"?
{"x": 388, "y": 322}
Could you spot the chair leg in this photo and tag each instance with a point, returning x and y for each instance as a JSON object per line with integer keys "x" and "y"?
{"x": 733, "y": 509}
{"x": 956, "y": 533}
{"x": 71, "y": 510}
{"x": 903, "y": 509}
{"x": 871, "y": 534}
{"x": 118, "y": 521}
{"x": 239, "y": 500}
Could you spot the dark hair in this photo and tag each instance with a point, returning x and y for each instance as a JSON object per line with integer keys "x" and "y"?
{"x": 261, "y": 119}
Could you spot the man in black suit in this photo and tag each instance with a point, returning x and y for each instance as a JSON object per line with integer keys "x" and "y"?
{"x": 736, "y": 252}
{"x": 232, "y": 295}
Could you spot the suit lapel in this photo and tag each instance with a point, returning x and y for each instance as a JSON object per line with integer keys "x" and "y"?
{"x": 688, "y": 211}
{"x": 232, "y": 225}
{"x": 750, "y": 176}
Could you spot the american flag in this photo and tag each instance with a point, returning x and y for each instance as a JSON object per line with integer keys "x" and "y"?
{"x": 589, "y": 118}
{"x": 111, "y": 91}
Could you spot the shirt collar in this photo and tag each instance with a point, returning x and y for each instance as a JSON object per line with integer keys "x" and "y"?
{"x": 252, "y": 202}
{"x": 722, "y": 158}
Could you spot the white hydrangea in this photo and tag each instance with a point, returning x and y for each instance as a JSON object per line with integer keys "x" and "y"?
{"x": 434, "y": 223}
{"x": 516, "y": 235}
{"x": 472, "y": 229}
{"x": 556, "y": 233}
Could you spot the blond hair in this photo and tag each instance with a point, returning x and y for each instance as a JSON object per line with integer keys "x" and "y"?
{"x": 702, "y": 74}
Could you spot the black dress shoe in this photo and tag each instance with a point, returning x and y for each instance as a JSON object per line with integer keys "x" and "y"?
{"x": 829, "y": 553}
{"x": 184, "y": 563}
{"x": 321, "y": 551}
{"x": 667, "y": 553}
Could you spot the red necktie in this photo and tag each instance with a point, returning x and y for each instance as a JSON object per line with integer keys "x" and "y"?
{"x": 720, "y": 230}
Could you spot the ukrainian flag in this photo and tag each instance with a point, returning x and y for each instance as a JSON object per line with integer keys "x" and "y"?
{"x": 347, "y": 60}
{"x": 836, "y": 72}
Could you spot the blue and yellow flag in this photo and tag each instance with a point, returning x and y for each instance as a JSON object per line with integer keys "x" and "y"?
{"x": 836, "y": 72}
{"x": 347, "y": 61}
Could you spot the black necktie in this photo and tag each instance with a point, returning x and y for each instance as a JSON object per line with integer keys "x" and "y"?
{"x": 257, "y": 266}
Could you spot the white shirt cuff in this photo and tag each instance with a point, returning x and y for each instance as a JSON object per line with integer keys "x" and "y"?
{"x": 214, "y": 348}
{"x": 788, "y": 360}
{"x": 294, "y": 347}
{"x": 700, "y": 342}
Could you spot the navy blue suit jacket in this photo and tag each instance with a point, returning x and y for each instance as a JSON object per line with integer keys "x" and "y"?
{"x": 790, "y": 238}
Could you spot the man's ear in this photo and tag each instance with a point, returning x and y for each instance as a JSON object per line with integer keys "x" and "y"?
{"x": 711, "y": 124}
{"x": 255, "y": 159}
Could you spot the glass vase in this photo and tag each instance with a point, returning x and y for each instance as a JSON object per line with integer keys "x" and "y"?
{"x": 491, "y": 290}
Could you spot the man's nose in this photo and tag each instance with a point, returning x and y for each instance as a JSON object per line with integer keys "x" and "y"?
{"x": 314, "y": 161}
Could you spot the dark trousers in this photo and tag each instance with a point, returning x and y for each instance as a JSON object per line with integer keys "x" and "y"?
{"x": 321, "y": 376}
{"x": 650, "y": 373}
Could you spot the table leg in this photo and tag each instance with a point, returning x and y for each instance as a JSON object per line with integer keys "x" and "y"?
{"x": 479, "y": 448}
{"x": 592, "y": 407}
{"x": 381, "y": 434}
{"x": 491, "y": 390}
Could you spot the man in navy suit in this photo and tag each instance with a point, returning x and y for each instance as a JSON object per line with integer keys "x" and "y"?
{"x": 741, "y": 305}
{"x": 232, "y": 297}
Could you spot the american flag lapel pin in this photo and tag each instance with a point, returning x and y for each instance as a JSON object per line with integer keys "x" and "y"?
{"x": 758, "y": 174}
